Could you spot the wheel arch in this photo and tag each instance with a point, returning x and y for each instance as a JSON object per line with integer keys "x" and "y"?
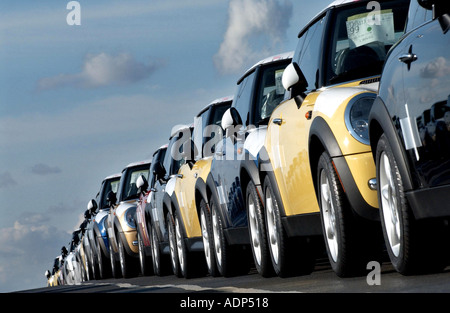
{"x": 380, "y": 122}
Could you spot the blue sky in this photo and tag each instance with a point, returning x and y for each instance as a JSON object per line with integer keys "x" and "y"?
{"x": 80, "y": 102}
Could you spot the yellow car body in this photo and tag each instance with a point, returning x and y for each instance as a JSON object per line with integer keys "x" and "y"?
{"x": 319, "y": 161}
{"x": 289, "y": 152}
{"x": 185, "y": 192}
{"x": 190, "y": 188}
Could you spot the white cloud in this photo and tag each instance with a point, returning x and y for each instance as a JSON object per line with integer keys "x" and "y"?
{"x": 102, "y": 70}
{"x": 27, "y": 249}
{"x": 256, "y": 28}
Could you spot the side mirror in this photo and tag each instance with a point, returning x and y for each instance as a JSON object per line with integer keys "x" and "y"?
{"x": 141, "y": 184}
{"x": 293, "y": 78}
{"x": 92, "y": 206}
{"x": 48, "y": 274}
{"x": 230, "y": 118}
{"x": 111, "y": 198}
{"x": 159, "y": 170}
{"x": 439, "y": 7}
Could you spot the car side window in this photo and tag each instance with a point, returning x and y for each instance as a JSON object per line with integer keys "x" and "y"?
{"x": 244, "y": 98}
{"x": 309, "y": 56}
{"x": 270, "y": 92}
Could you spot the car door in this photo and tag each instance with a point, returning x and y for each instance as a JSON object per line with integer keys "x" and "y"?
{"x": 287, "y": 138}
{"x": 425, "y": 114}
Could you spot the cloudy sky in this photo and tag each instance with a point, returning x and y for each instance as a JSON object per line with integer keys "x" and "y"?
{"x": 80, "y": 102}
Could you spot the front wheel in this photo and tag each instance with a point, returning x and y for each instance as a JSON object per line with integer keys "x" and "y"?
{"x": 231, "y": 260}
{"x": 144, "y": 260}
{"x": 257, "y": 232}
{"x": 192, "y": 264}
{"x": 127, "y": 263}
{"x": 173, "y": 246}
{"x": 349, "y": 239}
{"x": 115, "y": 269}
{"x": 160, "y": 265}
{"x": 413, "y": 246}
{"x": 208, "y": 242}
{"x": 290, "y": 256}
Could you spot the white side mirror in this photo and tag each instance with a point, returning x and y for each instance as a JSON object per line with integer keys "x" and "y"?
{"x": 290, "y": 77}
{"x": 227, "y": 119}
{"x": 140, "y": 181}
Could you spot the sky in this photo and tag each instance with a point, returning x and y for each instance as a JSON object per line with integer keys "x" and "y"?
{"x": 83, "y": 95}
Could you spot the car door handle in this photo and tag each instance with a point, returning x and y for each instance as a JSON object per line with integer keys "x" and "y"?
{"x": 408, "y": 58}
{"x": 278, "y": 121}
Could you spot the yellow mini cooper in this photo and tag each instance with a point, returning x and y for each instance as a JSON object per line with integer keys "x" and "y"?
{"x": 319, "y": 174}
{"x": 192, "y": 244}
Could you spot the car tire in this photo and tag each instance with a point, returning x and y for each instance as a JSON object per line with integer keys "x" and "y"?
{"x": 115, "y": 267}
{"x": 160, "y": 266}
{"x": 104, "y": 267}
{"x": 290, "y": 256}
{"x": 208, "y": 241}
{"x": 192, "y": 263}
{"x": 350, "y": 240}
{"x": 230, "y": 260}
{"x": 145, "y": 262}
{"x": 413, "y": 246}
{"x": 174, "y": 259}
{"x": 257, "y": 232}
{"x": 127, "y": 263}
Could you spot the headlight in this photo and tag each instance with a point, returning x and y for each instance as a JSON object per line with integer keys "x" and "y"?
{"x": 357, "y": 116}
{"x": 129, "y": 217}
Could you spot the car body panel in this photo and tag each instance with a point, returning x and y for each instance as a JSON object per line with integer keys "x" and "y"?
{"x": 413, "y": 111}
{"x": 193, "y": 175}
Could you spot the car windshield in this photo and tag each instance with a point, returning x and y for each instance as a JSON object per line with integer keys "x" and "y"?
{"x": 361, "y": 38}
{"x": 130, "y": 190}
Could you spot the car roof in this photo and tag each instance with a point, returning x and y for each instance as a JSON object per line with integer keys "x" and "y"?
{"x": 335, "y": 3}
{"x": 214, "y": 102}
{"x": 164, "y": 146}
{"x": 138, "y": 163}
{"x": 274, "y": 58}
{"x": 178, "y": 128}
{"x": 113, "y": 176}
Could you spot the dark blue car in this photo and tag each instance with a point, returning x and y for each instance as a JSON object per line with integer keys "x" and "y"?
{"x": 410, "y": 139}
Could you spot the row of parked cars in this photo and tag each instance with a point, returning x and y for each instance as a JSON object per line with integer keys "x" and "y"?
{"x": 340, "y": 148}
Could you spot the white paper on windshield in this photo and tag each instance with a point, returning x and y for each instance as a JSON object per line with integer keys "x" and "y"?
{"x": 361, "y": 29}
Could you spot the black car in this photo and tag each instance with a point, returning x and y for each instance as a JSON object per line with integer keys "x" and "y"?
{"x": 233, "y": 183}
{"x": 159, "y": 207}
{"x": 409, "y": 133}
